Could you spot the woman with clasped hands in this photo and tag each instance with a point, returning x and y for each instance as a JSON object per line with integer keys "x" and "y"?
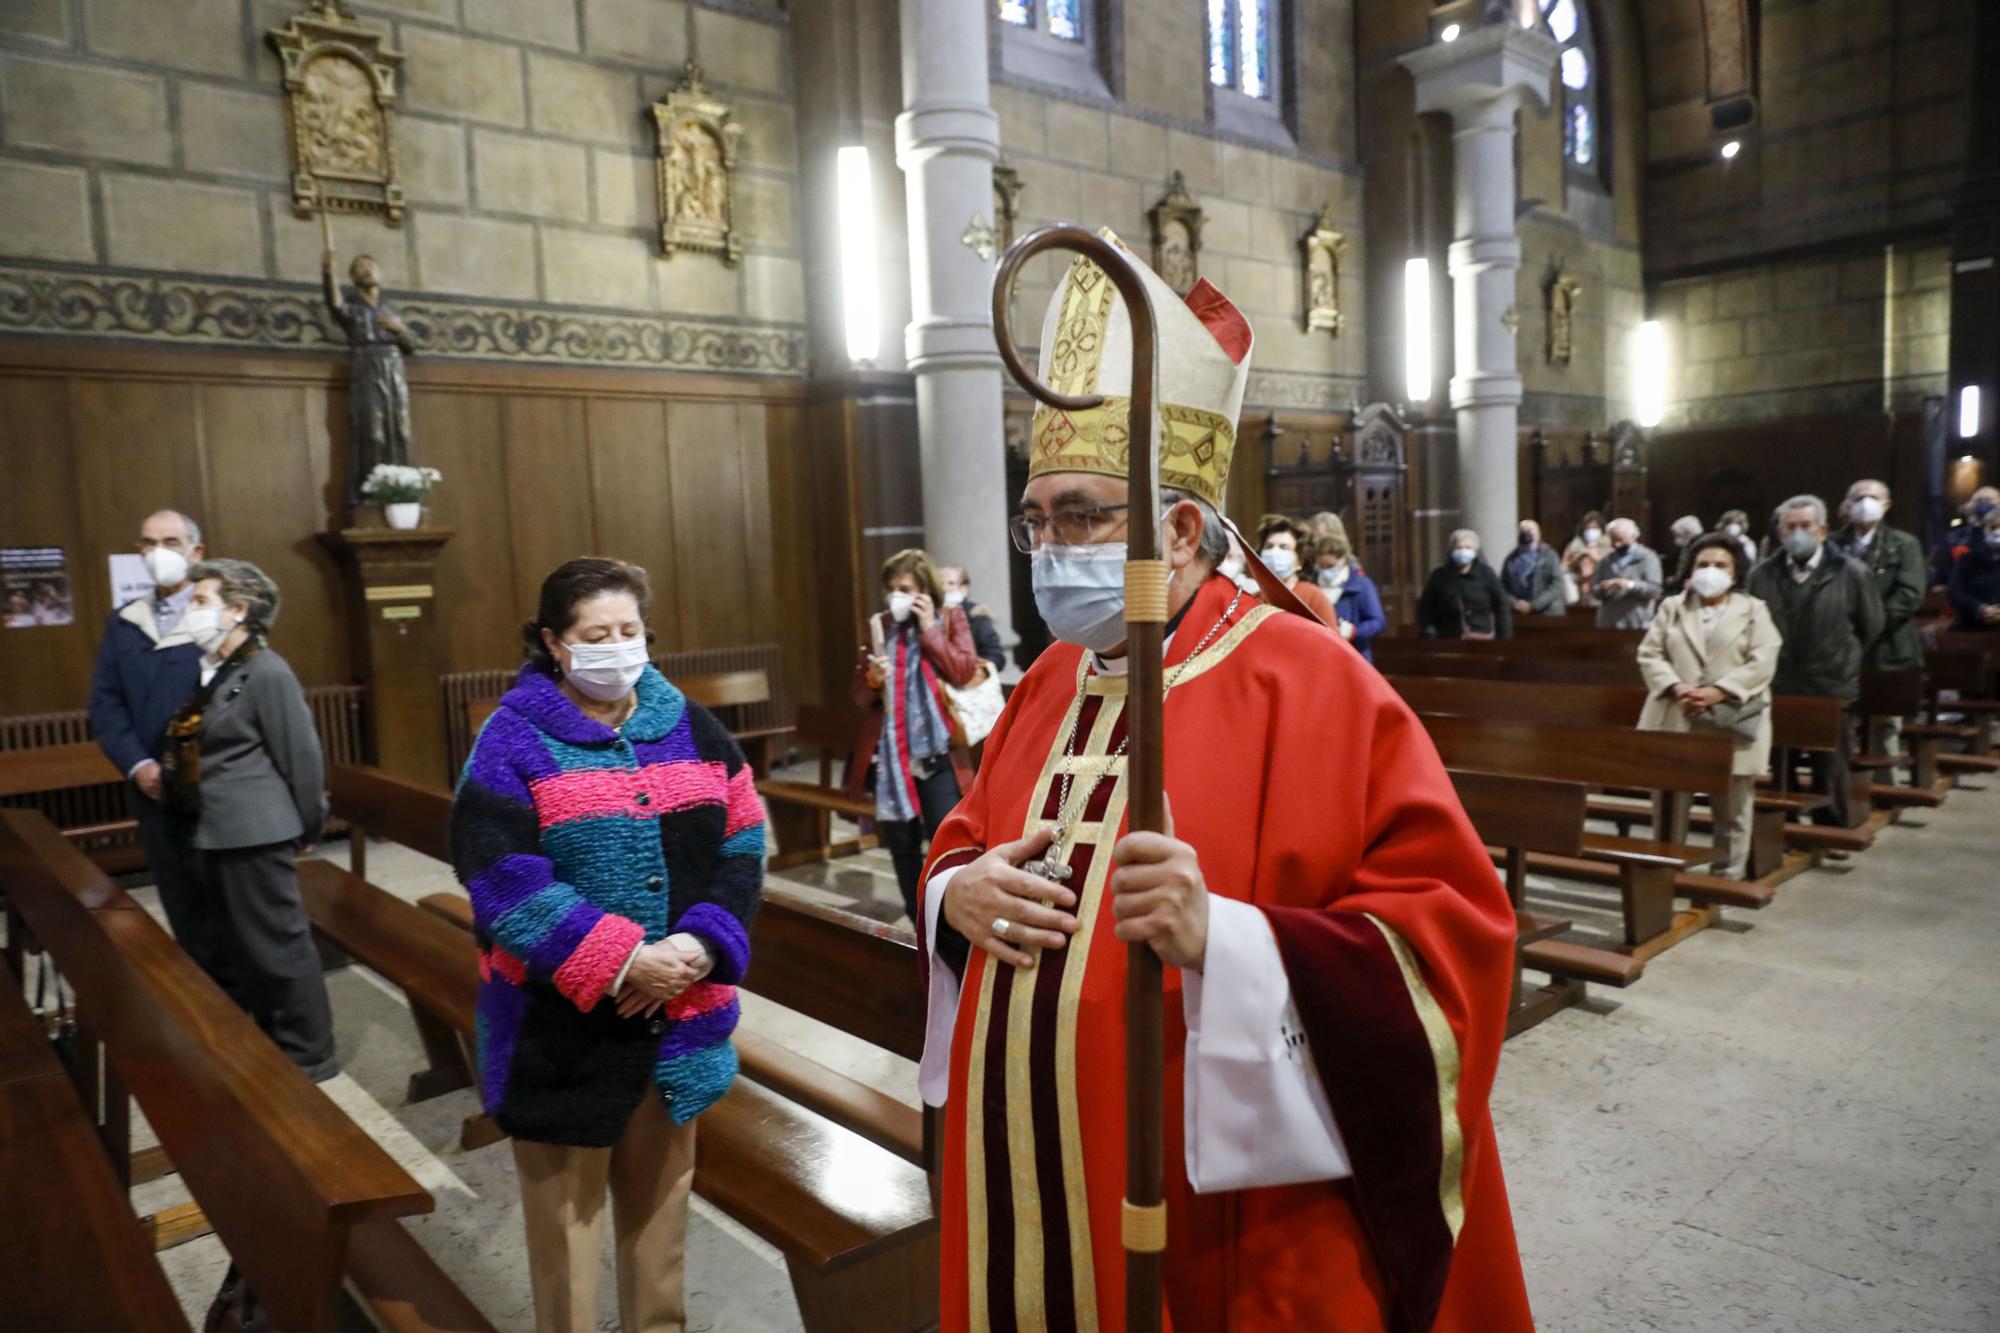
{"x": 610, "y": 835}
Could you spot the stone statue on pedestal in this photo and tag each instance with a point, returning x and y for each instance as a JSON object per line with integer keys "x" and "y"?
{"x": 378, "y": 395}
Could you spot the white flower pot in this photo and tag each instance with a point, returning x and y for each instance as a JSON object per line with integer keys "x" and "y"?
{"x": 404, "y": 515}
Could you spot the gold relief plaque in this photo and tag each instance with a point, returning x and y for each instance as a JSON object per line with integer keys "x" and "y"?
{"x": 1322, "y": 245}
{"x": 340, "y": 99}
{"x": 1176, "y": 221}
{"x": 697, "y": 160}
{"x": 1562, "y": 293}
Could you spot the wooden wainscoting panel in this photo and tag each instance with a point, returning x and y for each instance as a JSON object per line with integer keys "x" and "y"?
{"x": 754, "y": 450}
{"x": 548, "y": 488}
{"x": 47, "y": 667}
{"x": 476, "y": 601}
{"x": 711, "y": 540}
{"x": 802, "y": 573}
{"x": 267, "y": 501}
{"x": 632, "y": 492}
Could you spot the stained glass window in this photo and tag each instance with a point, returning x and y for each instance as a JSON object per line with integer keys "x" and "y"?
{"x": 1016, "y": 11}
{"x": 1064, "y": 22}
{"x": 1239, "y": 46}
{"x": 1569, "y": 23}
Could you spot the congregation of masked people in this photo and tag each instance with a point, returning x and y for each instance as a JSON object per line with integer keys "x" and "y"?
{"x": 1824, "y": 599}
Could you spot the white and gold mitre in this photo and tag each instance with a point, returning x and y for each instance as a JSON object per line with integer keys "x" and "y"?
{"x": 1087, "y": 349}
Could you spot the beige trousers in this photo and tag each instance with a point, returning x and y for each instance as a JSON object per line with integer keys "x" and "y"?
{"x": 648, "y": 1173}
{"x": 1732, "y": 829}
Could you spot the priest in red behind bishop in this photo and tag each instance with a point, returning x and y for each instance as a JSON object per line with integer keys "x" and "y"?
{"x": 1337, "y": 943}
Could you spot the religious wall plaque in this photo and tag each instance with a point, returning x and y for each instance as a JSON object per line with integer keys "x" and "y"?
{"x": 697, "y": 171}
{"x": 340, "y": 102}
{"x": 1322, "y": 246}
{"x": 1176, "y": 222}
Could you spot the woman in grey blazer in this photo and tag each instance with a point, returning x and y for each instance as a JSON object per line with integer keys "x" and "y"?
{"x": 245, "y": 780}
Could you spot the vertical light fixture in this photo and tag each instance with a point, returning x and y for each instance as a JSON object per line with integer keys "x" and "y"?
{"x": 1649, "y": 370}
{"x": 1417, "y": 329}
{"x": 859, "y": 290}
{"x": 1968, "y": 412}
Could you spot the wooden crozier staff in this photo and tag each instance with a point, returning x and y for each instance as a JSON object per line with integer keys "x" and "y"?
{"x": 1145, "y": 1213}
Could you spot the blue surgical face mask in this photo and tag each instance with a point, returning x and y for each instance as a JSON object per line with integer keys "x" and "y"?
{"x": 1462, "y": 556}
{"x": 1080, "y": 591}
{"x": 1981, "y": 508}
{"x": 1801, "y": 543}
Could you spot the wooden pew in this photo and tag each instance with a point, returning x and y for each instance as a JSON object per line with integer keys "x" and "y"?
{"x": 769, "y": 1149}
{"x": 801, "y": 813}
{"x": 1520, "y": 816}
{"x": 729, "y": 693}
{"x": 1645, "y": 873}
{"x": 1801, "y": 722}
{"x": 290, "y": 1184}
{"x": 71, "y": 1253}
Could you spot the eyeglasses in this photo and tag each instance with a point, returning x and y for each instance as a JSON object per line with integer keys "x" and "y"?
{"x": 1065, "y": 527}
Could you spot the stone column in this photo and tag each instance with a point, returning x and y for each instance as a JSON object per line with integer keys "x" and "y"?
{"x": 947, "y": 140}
{"x": 1480, "y": 80}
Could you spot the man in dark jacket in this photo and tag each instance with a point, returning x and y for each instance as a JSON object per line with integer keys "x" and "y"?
{"x": 1896, "y": 561}
{"x": 146, "y": 669}
{"x": 957, "y": 585}
{"x": 1826, "y": 606}
{"x": 1532, "y": 575}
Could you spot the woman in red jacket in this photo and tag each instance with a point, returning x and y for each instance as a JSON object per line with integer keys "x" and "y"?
{"x": 917, "y": 647}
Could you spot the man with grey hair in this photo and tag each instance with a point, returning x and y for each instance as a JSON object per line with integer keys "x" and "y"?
{"x": 1627, "y": 583}
{"x": 147, "y": 666}
{"x": 1826, "y": 606}
{"x": 1683, "y": 530}
{"x": 1895, "y": 560}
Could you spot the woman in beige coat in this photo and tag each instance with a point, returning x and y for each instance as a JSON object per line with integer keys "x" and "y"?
{"x": 1710, "y": 644}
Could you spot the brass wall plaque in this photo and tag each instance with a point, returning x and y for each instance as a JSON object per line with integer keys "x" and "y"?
{"x": 697, "y": 136}
{"x": 340, "y": 102}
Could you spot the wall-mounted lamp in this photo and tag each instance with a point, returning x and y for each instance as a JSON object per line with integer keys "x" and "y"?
{"x": 1731, "y": 149}
{"x": 1450, "y": 33}
{"x": 1417, "y": 329}
{"x": 1968, "y": 412}
{"x": 860, "y": 295}
{"x": 1649, "y": 370}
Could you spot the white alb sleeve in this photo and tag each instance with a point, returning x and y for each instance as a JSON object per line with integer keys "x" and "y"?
{"x": 1256, "y": 1113}
{"x": 934, "y": 1073}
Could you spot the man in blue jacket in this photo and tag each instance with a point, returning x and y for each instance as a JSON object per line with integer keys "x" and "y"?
{"x": 146, "y": 669}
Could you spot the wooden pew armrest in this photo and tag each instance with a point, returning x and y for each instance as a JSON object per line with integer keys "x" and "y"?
{"x": 1640, "y": 852}
{"x": 1561, "y": 958}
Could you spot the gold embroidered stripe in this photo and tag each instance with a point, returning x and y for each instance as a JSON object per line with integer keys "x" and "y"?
{"x": 1196, "y": 446}
{"x": 1444, "y": 1054}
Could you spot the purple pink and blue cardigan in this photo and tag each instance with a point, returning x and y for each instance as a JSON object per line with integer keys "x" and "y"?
{"x": 577, "y": 843}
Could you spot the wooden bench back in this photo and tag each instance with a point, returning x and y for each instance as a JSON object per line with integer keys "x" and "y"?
{"x": 1523, "y": 814}
{"x": 1595, "y": 756}
{"x": 1891, "y": 693}
{"x": 54, "y": 768}
{"x": 728, "y": 689}
{"x": 414, "y": 815}
{"x": 845, "y": 970}
{"x": 279, "y": 1170}
{"x": 1797, "y": 722}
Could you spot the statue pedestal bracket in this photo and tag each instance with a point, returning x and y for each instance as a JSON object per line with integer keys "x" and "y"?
{"x": 399, "y": 648}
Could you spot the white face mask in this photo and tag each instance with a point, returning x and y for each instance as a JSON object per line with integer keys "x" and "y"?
{"x": 1734, "y": 529}
{"x": 1463, "y": 556}
{"x": 956, "y": 597}
{"x": 606, "y": 671}
{"x": 1710, "y": 581}
{"x": 1591, "y": 536}
{"x": 900, "y": 604}
{"x": 1080, "y": 591}
{"x": 1867, "y": 509}
{"x": 204, "y": 625}
{"x": 1334, "y": 576}
{"x": 1801, "y": 543}
{"x": 168, "y": 567}
{"x": 1282, "y": 562}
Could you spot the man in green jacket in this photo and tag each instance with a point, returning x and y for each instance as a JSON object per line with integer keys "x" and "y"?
{"x": 1826, "y": 606}
{"x": 1896, "y": 559}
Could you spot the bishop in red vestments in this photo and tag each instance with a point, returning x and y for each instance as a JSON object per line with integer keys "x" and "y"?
{"x": 1338, "y": 943}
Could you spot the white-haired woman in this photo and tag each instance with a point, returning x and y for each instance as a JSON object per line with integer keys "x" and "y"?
{"x": 1463, "y": 598}
{"x": 243, "y": 784}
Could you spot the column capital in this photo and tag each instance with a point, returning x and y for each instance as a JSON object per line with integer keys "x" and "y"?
{"x": 1478, "y": 253}
{"x": 1490, "y": 388}
{"x": 942, "y": 341}
{"x": 931, "y": 128}
{"x": 1484, "y": 75}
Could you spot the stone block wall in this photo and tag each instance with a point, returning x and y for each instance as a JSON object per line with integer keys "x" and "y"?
{"x": 1106, "y": 162}
{"x": 1594, "y": 390}
{"x": 1865, "y": 333}
{"x": 144, "y": 139}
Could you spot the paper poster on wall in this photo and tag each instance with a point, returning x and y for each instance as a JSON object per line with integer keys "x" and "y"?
{"x": 34, "y": 587}
{"x": 129, "y": 578}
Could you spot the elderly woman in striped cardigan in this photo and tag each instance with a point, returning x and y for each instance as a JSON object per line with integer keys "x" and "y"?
{"x": 610, "y": 835}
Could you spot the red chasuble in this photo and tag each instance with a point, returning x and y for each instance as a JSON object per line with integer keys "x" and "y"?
{"x": 1310, "y": 791}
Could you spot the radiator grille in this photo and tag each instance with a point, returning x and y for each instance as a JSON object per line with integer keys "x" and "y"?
{"x": 95, "y": 817}
{"x": 461, "y": 689}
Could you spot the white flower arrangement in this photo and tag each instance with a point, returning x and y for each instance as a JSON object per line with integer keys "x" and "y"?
{"x": 399, "y": 483}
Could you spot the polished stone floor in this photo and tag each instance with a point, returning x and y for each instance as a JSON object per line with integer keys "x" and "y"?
{"x": 1787, "y": 1125}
